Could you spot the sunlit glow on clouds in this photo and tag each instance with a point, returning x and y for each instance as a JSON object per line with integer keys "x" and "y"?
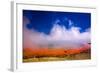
{"x": 59, "y": 36}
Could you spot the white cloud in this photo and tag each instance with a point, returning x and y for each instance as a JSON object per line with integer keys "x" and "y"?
{"x": 58, "y": 37}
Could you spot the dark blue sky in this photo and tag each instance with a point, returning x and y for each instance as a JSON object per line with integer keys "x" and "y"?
{"x": 43, "y": 21}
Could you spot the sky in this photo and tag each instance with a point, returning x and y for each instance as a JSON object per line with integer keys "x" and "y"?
{"x": 43, "y": 21}
{"x": 71, "y": 29}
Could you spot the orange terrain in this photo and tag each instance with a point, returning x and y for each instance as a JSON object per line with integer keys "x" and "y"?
{"x": 52, "y": 52}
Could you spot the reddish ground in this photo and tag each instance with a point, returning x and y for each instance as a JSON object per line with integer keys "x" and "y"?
{"x": 42, "y": 52}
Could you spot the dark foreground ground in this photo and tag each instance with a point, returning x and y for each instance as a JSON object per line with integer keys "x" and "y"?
{"x": 80, "y": 56}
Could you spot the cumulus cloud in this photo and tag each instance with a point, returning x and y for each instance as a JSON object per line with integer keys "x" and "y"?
{"x": 59, "y": 36}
